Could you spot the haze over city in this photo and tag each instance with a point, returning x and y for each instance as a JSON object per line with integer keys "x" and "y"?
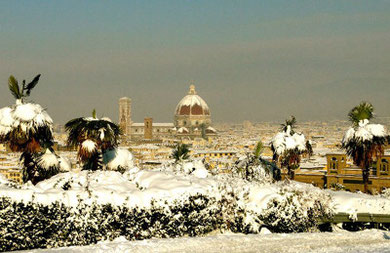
{"x": 250, "y": 60}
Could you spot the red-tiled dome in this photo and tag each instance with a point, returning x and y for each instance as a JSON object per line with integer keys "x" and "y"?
{"x": 192, "y": 104}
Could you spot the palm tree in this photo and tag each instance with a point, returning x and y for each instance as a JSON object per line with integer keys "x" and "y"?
{"x": 288, "y": 146}
{"x": 364, "y": 142}
{"x": 93, "y": 137}
{"x": 181, "y": 152}
{"x": 27, "y": 128}
{"x": 289, "y": 123}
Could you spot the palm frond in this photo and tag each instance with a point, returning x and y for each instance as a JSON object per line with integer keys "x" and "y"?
{"x": 258, "y": 149}
{"x": 289, "y": 122}
{"x": 363, "y": 111}
{"x": 32, "y": 84}
{"x": 14, "y": 87}
{"x": 104, "y": 133}
{"x": 181, "y": 152}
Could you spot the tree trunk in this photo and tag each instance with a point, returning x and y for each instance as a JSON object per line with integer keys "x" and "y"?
{"x": 366, "y": 173}
{"x": 290, "y": 173}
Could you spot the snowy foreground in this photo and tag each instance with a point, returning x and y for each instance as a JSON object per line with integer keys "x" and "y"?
{"x": 88, "y": 207}
{"x": 364, "y": 241}
{"x": 137, "y": 188}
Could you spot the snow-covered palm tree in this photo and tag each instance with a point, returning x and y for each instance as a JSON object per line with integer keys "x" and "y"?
{"x": 363, "y": 141}
{"x": 181, "y": 152}
{"x": 27, "y": 128}
{"x": 97, "y": 141}
{"x": 288, "y": 146}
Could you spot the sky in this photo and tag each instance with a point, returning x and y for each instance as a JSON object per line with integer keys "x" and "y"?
{"x": 250, "y": 60}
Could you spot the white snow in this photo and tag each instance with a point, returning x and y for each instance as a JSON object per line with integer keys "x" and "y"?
{"x": 119, "y": 157}
{"x": 26, "y": 116}
{"x": 65, "y": 164}
{"x": 138, "y": 187}
{"x": 211, "y": 129}
{"x": 191, "y": 100}
{"x": 106, "y": 119}
{"x": 6, "y": 118}
{"x": 284, "y": 141}
{"x": 89, "y": 145}
{"x": 182, "y": 130}
{"x": 369, "y": 241}
{"x": 364, "y": 132}
{"x": 27, "y": 112}
{"x": 48, "y": 160}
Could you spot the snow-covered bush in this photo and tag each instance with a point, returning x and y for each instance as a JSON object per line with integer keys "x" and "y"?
{"x": 31, "y": 225}
{"x": 296, "y": 210}
{"x": 337, "y": 187}
{"x": 118, "y": 159}
{"x": 251, "y": 168}
{"x": 386, "y": 193}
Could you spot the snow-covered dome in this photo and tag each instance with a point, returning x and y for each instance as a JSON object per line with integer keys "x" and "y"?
{"x": 192, "y": 104}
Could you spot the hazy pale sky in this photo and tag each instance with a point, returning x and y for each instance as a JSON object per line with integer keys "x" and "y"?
{"x": 251, "y": 60}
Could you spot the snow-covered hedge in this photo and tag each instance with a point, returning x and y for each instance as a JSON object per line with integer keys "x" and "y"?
{"x": 296, "y": 210}
{"x": 32, "y": 225}
{"x": 86, "y": 207}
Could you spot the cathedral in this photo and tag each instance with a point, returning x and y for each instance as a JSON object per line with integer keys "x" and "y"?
{"x": 192, "y": 119}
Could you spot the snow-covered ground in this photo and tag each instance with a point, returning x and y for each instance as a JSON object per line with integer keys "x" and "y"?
{"x": 364, "y": 241}
{"x": 139, "y": 187}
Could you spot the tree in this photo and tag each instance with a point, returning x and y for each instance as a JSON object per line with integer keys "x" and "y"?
{"x": 364, "y": 142}
{"x": 93, "y": 137}
{"x": 288, "y": 146}
{"x": 181, "y": 152}
{"x": 27, "y": 128}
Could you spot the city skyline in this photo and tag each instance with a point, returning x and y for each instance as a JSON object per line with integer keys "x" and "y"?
{"x": 250, "y": 61}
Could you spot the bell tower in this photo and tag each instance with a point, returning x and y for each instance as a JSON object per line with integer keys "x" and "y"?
{"x": 125, "y": 116}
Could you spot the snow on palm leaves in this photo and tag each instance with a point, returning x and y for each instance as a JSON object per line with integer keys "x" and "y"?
{"x": 288, "y": 146}
{"x": 97, "y": 141}
{"x": 364, "y": 141}
{"x": 27, "y": 128}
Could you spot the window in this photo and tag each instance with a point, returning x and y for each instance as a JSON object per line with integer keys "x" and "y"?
{"x": 384, "y": 167}
{"x": 333, "y": 164}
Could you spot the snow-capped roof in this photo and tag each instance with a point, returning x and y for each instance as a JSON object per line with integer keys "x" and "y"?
{"x": 153, "y": 124}
{"x": 182, "y": 130}
{"x": 192, "y": 104}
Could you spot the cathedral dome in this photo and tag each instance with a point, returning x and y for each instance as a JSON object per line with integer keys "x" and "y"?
{"x": 192, "y": 104}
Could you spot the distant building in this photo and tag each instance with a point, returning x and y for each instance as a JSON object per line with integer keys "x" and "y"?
{"x": 125, "y": 116}
{"x": 159, "y": 130}
{"x": 192, "y": 116}
{"x": 192, "y": 119}
{"x": 339, "y": 172}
